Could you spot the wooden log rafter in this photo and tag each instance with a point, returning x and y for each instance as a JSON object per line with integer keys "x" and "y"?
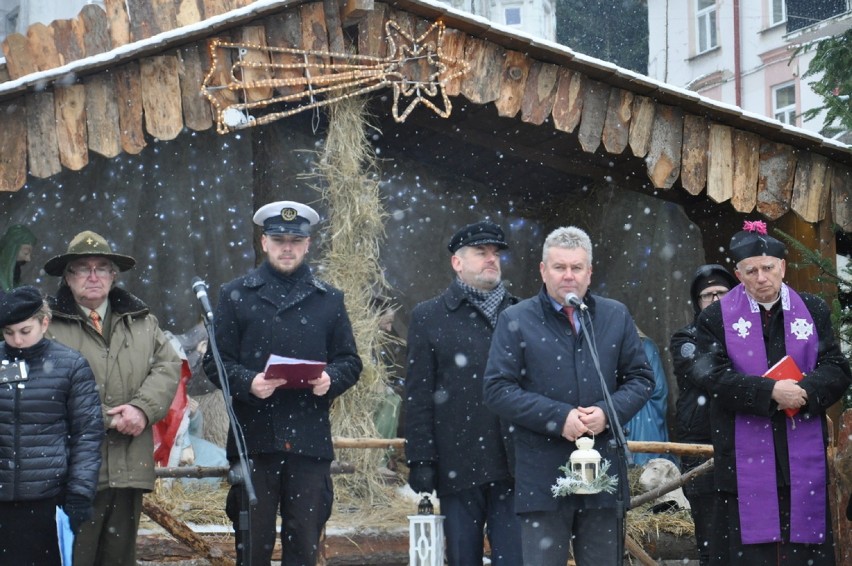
{"x": 154, "y": 94}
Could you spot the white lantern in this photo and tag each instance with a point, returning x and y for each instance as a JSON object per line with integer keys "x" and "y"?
{"x": 586, "y": 463}
{"x": 425, "y": 536}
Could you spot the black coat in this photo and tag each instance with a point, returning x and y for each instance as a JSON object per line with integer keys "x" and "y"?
{"x": 446, "y": 421}
{"x": 693, "y": 403}
{"x": 538, "y": 371}
{"x": 256, "y": 316}
{"x": 50, "y": 427}
{"x": 733, "y": 392}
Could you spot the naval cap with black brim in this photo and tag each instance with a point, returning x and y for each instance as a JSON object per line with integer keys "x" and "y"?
{"x": 286, "y": 217}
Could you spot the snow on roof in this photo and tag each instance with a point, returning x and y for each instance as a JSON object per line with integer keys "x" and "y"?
{"x": 557, "y": 54}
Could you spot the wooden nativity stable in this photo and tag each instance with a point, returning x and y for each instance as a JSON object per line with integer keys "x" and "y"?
{"x": 211, "y": 108}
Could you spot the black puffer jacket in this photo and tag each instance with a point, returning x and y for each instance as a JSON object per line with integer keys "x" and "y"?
{"x": 50, "y": 425}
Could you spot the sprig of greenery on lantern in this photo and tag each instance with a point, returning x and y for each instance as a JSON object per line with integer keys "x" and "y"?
{"x": 573, "y": 482}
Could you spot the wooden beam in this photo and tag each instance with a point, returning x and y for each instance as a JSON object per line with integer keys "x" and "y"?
{"x": 595, "y": 101}
{"x": 811, "y": 187}
{"x": 616, "y": 131}
{"x": 841, "y": 197}
{"x": 128, "y": 84}
{"x": 696, "y": 137}
{"x": 720, "y": 163}
{"x": 568, "y": 104}
{"x": 119, "y": 22}
{"x": 775, "y": 179}
{"x": 42, "y": 143}
{"x": 104, "y": 134}
{"x": 13, "y": 146}
{"x": 197, "y": 114}
{"x": 746, "y": 170}
{"x": 539, "y": 92}
{"x": 641, "y": 125}
{"x": 70, "y": 104}
{"x": 255, "y": 35}
{"x": 454, "y": 46}
{"x": 664, "y": 153}
{"x": 161, "y": 98}
{"x": 516, "y": 70}
{"x": 481, "y": 84}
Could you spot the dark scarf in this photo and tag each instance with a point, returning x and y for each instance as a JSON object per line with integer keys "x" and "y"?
{"x": 486, "y": 302}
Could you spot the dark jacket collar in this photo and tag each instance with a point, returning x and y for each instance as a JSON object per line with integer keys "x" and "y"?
{"x": 121, "y": 302}
{"x": 547, "y": 305}
{"x": 260, "y": 276}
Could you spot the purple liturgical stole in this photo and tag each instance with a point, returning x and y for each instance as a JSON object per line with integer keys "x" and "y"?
{"x": 754, "y": 446}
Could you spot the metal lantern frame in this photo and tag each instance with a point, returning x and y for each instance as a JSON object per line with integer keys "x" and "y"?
{"x": 586, "y": 463}
{"x": 425, "y": 536}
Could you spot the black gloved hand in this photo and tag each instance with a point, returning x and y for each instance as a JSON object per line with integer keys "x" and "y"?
{"x": 421, "y": 477}
{"x": 78, "y": 509}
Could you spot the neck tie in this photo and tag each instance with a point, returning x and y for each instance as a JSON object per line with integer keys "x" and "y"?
{"x": 569, "y": 312}
{"x": 96, "y": 321}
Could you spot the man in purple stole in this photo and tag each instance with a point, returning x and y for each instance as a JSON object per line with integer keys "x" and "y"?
{"x": 770, "y": 474}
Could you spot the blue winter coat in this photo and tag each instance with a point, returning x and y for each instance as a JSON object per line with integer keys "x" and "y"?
{"x": 538, "y": 371}
{"x": 256, "y": 316}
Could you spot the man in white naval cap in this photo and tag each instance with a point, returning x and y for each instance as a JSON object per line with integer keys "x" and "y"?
{"x": 281, "y": 308}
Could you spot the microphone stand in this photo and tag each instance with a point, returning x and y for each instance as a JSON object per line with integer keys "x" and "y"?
{"x": 618, "y": 442}
{"x": 241, "y": 473}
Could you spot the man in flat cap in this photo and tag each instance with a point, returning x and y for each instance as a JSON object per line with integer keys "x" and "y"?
{"x": 769, "y": 435}
{"x": 281, "y": 308}
{"x": 453, "y": 442}
{"x": 709, "y": 284}
{"x": 137, "y": 373}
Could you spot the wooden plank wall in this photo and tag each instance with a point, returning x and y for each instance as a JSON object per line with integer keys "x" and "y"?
{"x": 112, "y": 111}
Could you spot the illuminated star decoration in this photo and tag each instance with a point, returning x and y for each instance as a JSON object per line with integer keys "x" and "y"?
{"x": 302, "y": 80}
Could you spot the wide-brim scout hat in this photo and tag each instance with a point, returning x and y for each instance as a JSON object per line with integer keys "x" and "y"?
{"x": 286, "y": 217}
{"x": 87, "y": 244}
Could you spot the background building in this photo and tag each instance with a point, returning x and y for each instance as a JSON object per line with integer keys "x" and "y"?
{"x": 744, "y": 52}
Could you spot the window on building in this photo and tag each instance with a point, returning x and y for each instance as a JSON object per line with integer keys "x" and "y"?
{"x": 784, "y": 103}
{"x": 8, "y": 22}
{"x": 777, "y": 12}
{"x": 804, "y": 13}
{"x": 705, "y": 15}
{"x": 512, "y": 15}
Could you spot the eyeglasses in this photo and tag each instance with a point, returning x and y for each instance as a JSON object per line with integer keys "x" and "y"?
{"x": 711, "y": 296}
{"x": 86, "y": 272}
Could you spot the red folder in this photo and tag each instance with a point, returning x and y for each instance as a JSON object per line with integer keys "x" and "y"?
{"x": 297, "y": 372}
{"x": 785, "y": 368}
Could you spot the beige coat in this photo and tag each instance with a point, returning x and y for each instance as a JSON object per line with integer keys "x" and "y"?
{"x": 138, "y": 367}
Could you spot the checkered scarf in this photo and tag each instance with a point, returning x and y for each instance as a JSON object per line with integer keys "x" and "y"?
{"x": 487, "y": 302}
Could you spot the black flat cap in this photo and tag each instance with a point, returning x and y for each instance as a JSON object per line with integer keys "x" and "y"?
{"x": 478, "y": 234}
{"x": 19, "y": 304}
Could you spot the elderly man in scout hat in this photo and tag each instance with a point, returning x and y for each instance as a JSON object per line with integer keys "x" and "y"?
{"x": 137, "y": 373}
{"x": 281, "y": 308}
{"x": 453, "y": 442}
{"x": 770, "y": 473}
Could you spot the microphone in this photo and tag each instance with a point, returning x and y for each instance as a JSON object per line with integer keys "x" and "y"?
{"x": 572, "y": 300}
{"x": 199, "y": 287}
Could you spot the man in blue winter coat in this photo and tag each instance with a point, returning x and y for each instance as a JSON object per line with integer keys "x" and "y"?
{"x": 542, "y": 378}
